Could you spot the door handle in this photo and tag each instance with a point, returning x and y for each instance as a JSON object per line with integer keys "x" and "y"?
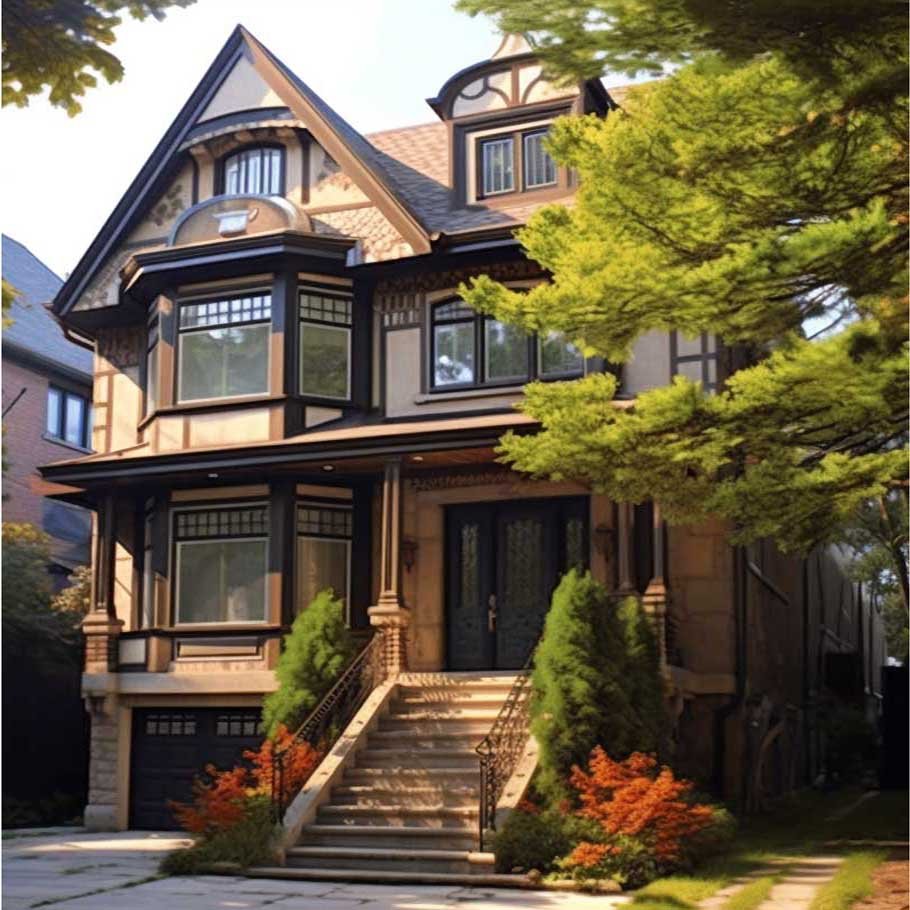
{"x": 491, "y": 613}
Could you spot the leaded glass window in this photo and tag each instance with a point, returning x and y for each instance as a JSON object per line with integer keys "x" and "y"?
{"x": 221, "y": 564}
{"x": 497, "y": 162}
{"x": 224, "y": 347}
{"x": 539, "y": 167}
{"x": 257, "y": 171}
{"x": 325, "y": 345}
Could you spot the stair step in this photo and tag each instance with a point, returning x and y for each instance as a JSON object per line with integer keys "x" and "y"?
{"x": 489, "y": 880}
{"x": 401, "y": 837}
{"x": 382, "y": 795}
{"x": 464, "y": 862}
{"x": 482, "y": 697}
{"x": 400, "y": 759}
{"x": 399, "y": 816}
{"x": 406, "y": 724}
{"x": 408, "y": 713}
{"x": 385, "y": 739}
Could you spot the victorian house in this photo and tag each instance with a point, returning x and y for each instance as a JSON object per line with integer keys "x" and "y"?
{"x": 289, "y": 395}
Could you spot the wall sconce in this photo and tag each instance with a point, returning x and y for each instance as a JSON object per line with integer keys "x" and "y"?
{"x": 408, "y": 552}
{"x": 603, "y": 539}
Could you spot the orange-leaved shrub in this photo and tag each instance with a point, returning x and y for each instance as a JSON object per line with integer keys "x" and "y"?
{"x": 221, "y": 797}
{"x": 637, "y": 798}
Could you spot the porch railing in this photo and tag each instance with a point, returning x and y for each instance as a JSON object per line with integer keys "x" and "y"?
{"x": 501, "y": 748}
{"x": 328, "y": 720}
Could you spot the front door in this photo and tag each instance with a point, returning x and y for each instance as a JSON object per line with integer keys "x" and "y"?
{"x": 503, "y": 561}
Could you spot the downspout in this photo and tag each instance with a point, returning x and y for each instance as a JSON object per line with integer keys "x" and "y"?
{"x": 722, "y": 714}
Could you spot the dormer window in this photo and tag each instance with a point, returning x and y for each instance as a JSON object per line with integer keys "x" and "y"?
{"x": 517, "y": 162}
{"x": 256, "y": 171}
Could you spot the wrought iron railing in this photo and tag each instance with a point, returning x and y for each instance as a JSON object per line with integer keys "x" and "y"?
{"x": 327, "y": 721}
{"x": 502, "y": 747}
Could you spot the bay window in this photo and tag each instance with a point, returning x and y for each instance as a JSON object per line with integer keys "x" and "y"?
{"x": 323, "y": 553}
{"x": 468, "y": 350}
{"x": 224, "y": 347}
{"x": 325, "y": 345}
{"x": 221, "y": 564}
{"x": 151, "y": 368}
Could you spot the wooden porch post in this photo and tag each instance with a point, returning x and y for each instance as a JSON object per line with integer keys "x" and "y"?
{"x": 390, "y": 616}
{"x": 101, "y": 626}
{"x": 656, "y": 595}
{"x": 624, "y": 549}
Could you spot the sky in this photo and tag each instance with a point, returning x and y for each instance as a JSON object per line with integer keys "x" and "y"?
{"x": 374, "y": 61}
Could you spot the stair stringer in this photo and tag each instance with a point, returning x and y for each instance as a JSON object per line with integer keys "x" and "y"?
{"x": 317, "y": 790}
{"x": 517, "y": 785}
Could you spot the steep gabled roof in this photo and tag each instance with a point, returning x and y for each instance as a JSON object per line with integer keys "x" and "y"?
{"x": 355, "y": 155}
{"x": 34, "y": 330}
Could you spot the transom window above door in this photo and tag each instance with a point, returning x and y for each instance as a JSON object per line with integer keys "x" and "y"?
{"x": 223, "y": 347}
{"x": 258, "y": 170}
{"x": 468, "y": 349}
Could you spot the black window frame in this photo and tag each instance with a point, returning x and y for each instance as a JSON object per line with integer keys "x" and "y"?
{"x": 347, "y": 325}
{"x": 709, "y": 351}
{"x": 344, "y": 533}
{"x": 182, "y": 331}
{"x": 58, "y": 433}
{"x": 260, "y": 147}
{"x": 149, "y": 384}
{"x": 480, "y": 381}
{"x": 519, "y": 176}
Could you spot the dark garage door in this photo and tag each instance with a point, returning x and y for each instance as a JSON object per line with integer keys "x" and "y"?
{"x": 171, "y": 747}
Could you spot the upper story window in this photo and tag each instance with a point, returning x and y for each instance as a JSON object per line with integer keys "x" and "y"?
{"x": 517, "y": 162}
{"x": 68, "y": 417}
{"x": 151, "y": 367}
{"x": 221, "y": 557}
{"x": 695, "y": 358}
{"x": 323, "y": 552}
{"x": 223, "y": 347}
{"x": 258, "y": 170}
{"x": 469, "y": 349}
{"x": 325, "y": 345}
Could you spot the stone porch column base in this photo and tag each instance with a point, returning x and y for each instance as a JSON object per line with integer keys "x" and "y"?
{"x": 391, "y": 620}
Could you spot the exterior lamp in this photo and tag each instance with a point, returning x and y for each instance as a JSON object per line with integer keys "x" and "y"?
{"x": 409, "y": 548}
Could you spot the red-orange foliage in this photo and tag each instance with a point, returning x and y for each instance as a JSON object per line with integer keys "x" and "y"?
{"x": 219, "y": 797}
{"x": 637, "y": 798}
{"x": 588, "y": 855}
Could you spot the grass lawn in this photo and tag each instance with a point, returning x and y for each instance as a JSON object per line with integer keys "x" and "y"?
{"x": 766, "y": 846}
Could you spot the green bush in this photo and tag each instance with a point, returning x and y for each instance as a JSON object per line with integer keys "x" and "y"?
{"x": 316, "y": 651}
{"x": 628, "y": 862}
{"x": 851, "y": 745}
{"x": 251, "y": 842}
{"x": 714, "y": 839}
{"x": 531, "y": 840}
{"x": 596, "y": 680}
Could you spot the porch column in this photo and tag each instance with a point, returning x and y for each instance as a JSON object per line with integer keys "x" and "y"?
{"x": 656, "y": 595}
{"x": 624, "y": 549}
{"x": 101, "y": 626}
{"x": 390, "y": 616}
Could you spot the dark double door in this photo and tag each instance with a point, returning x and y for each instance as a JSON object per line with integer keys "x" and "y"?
{"x": 503, "y": 561}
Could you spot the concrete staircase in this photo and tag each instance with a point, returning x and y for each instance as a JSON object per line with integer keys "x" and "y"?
{"x": 407, "y": 810}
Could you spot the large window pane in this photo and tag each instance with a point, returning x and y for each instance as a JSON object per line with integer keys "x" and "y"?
{"x": 54, "y": 409}
{"x": 498, "y": 176}
{"x": 222, "y": 363}
{"x": 454, "y": 353}
{"x": 74, "y": 428}
{"x": 324, "y": 360}
{"x": 506, "y": 351}
{"x": 221, "y": 581}
{"x": 321, "y": 563}
{"x": 539, "y": 167}
{"x": 256, "y": 170}
{"x": 558, "y": 356}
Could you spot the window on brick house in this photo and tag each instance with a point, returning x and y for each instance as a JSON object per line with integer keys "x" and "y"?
{"x": 68, "y": 417}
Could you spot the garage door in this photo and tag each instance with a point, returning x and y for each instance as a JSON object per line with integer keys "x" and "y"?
{"x": 171, "y": 747}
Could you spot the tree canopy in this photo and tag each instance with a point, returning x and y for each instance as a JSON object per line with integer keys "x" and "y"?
{"x": 61, "y": 44}
{"x": 758, "y": 193}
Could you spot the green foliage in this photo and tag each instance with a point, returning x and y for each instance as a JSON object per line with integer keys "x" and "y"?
{"x": 760, "y": 186}
{"x": 76, "y": 598}
{"x": 851, "y": 882}
{"x": 251, "y": 842}
{"x": 596, "y": 680}
{"x": 9, "y": 298}
{"x": 851, "y": 746}
{"x": 630, "y": 862}
{"x": 56, "y": 44}
{"x": 536, "y": 840}
{"x": 316, "y": 651}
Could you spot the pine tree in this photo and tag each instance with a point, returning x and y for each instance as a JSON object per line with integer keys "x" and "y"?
{"x": 758, "y": 190}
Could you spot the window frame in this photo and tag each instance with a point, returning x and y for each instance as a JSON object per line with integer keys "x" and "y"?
{"x": 520, "y": 185}
{"x": 58, "y": 434}
{"x": 181, "y": 333}
{"x": 260, "y": 147}
{"x": 480, "y": 380}
{"x": 217, "y": 506}
{"x": 347, "y": 539}
{"x": 348, "y": 327}
{"x": 152, "y": 350}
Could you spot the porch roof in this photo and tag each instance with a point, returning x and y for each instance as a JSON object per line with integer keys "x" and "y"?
{"x": 137, "y": 463}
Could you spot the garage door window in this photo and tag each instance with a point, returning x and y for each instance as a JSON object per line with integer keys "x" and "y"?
{"x": 222, "y": 564}
{"x": 237, "y": 724}
{"x": 170, "y": 725}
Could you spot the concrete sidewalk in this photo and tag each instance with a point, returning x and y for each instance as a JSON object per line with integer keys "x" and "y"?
{"x": 75, "y": 870}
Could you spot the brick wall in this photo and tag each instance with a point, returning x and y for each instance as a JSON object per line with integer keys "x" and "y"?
{"x": 26, "y": 448}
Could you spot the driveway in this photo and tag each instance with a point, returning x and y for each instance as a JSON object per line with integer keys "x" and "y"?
{"x": 75, "y": 870}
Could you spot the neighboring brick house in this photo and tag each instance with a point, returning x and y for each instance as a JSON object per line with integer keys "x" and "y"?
{"x": 290, "y": 395}
{"x": 47, "y": 394}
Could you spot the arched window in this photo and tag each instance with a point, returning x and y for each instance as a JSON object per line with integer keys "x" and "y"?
{"x": 254, "y": 170}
